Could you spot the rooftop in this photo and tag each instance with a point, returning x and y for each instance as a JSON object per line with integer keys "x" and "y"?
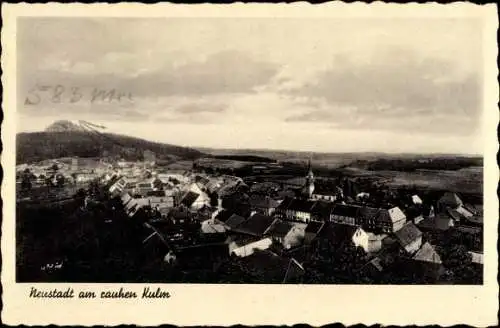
{"x": 407, "y": 234}
{"x": 279, "y": 228}
{"x": 256, "y": 225}
{"x": 234, "y": 220}
{"x": 189, "y": 198}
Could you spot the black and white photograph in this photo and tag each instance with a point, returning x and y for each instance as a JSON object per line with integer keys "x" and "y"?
{"x": 286, "y": 163}
{"x": 249, "y": 150}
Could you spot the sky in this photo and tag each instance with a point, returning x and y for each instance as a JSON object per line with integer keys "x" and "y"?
{"x": 332, "y": 85}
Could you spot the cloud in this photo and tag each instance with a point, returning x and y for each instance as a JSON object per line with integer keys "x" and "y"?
{"x": 393, "y": 86}
{"x": 200, "y": 108}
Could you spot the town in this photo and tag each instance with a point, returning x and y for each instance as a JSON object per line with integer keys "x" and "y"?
{"x": 116, "y": 220}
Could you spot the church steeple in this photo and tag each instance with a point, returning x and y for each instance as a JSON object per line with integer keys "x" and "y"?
{"x": 309, "y": 187}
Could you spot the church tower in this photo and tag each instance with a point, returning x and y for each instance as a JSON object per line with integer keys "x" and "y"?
{"x": 309, "y": 187}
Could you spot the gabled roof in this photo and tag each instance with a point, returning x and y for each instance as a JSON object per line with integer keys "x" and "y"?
{"x": 260, "y": 201}
{"x": 416, "y": 199}
{"x": 256, "y": 225}
{"x": 346, "y": 210}
{"x": 427, "y": 253}
{"x": 439, "y": 222}
{"x": 454, "y": 214}
{"x": 156, "y": 193}
{"x": 189, "y": 198}
{"x": 324, "y": 190}
{"x": 234, "y": 221}
{"x": 407, "y": 234}
{"x": 279, "y": 229}
{"x": 323, "y": 209}
{"x": 391, "y": 215}
{"x": 369, "y": 212}
{"x": 314, "y": 227}
{"x": 450, "y": 199}
{"x": 285, "y": 204}
{"x": 396, "y": 214}
{"x": 301, "y": 205}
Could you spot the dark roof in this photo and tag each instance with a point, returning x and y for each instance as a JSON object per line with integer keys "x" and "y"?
{"x": 279, "y": 229}
{"x": 224, "y": 215}
{"x": 157, "y": 193}
{"x": 427, "y": 253}
{"x": 260, "y": 201}
{"x": 407, "y": 234}
{"x": 324, "y": 190}
{"x": 450, "y": 199}
{"x": 285, "y": 203}
{"x": 369, "y": 212}
{"x": 179, "y": 214}
{"x": 203, "y": 251}
{"x": 189, "y": 198}
{"x": 300, "y": 254}
{"x": 314, "y": 227}
{"x": 346, "y": 210}
{"x": 272, "y": 268}
{"x": 256, "y": 225}
{"x": 337, "y": 233}
{"x": 234, "y": 221}
{"x": 301, "y": 205}
{"x": 439, "y": 222}
{"x": 323, "y": 209}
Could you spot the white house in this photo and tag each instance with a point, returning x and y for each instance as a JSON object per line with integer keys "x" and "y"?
{"x": 243, "y": 249}
{"x": 370, "y": 242}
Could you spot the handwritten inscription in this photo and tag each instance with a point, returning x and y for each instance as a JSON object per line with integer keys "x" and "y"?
{"x": 121, "y": 293}
{"x": 63, "y": 94}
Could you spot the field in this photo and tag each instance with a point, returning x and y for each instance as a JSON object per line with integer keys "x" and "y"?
{"x": 467, "y": 180}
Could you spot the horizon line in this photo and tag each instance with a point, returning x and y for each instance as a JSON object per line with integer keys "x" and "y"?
{"x": 200, "y": 148}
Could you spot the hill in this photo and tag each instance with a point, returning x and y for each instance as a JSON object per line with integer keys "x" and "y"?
{"x": 38, "y": 146}
{"x": 64, "y": 126}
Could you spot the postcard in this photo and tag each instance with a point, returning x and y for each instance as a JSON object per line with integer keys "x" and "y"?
{"x": 255, "y": 164}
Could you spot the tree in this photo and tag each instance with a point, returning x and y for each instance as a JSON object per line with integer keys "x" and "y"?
{"x": 26, "y": 183}
{"x": 60, "y": 180}
{"x": 458, "y": 263}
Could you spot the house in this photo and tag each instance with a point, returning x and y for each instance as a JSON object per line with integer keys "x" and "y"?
{"x": 255, "y": 225}
{"x": 427, "y": 263}
{"x": 312, "y": 230}
{"x": 345, "y": 214}
{"x": 427, "y": 253}
{"x": 246, "y": 246}
{"x": 288, "y": 234}
{"x": 370, "y": 242}
{"x": 198, "y": 256}
{"x": 409, "y": 238}
{"x": 325, "y": 194}
{"x": 416, "y": 200}
{"x": 322, "y": 211}
{"x": 449, "y": 200}
{"x": 267, "y": 267}
{"x": 282, "y": 208}
{"x": 132, "y": 205}
{"x": 391, "y": 220}
{"x": 117, "y": 186}
{"x": 279, "y": 229}
{"x": 195, "y": 201}
{"x": 362, "y": 196}
{"x": 439, "y": 222}
{"x": 234, "y": 221}
{"x": 263, "y": 204}
{"x": 213, "y": 226}
{"x": 160, "y": 200}
{"x": 300, "y": 210}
